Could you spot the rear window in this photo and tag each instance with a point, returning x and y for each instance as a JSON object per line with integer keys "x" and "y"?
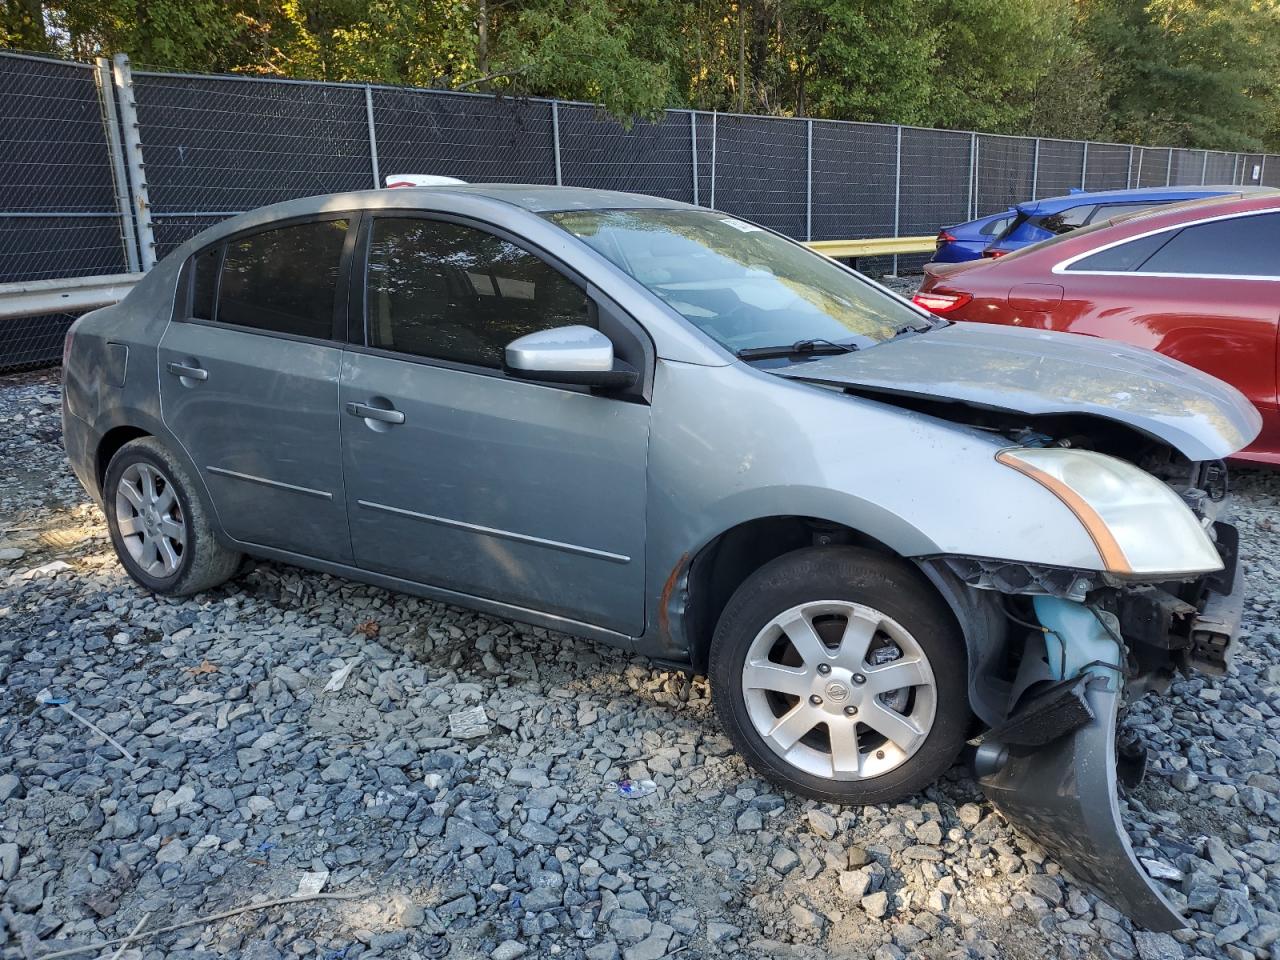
{"x": 204, "y": 283}
{"x": 283, "y": 280}
{"x": 995, "y": 227}
{"x": 1064, "y": 221}
{"x": 1240, "y": 246}
{"x": 1124, "y": 256}
{"x": 1246, "y": 246}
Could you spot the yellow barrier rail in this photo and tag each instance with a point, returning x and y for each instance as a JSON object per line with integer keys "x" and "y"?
{"x": 874, "y": 247}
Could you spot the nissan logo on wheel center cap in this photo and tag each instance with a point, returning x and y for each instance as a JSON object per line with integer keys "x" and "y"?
{"x": 837, "y": 691}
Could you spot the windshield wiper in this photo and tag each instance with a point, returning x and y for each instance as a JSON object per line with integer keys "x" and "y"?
{"x": 816, "y": 347}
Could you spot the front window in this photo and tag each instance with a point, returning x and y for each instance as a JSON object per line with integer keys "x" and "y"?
{"x": 451, "y": 292}
{"x": 743, "y": 286}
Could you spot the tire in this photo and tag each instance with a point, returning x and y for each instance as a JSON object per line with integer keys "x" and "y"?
{"x": 908, "y": 635}
{"x": 141, "y": 526}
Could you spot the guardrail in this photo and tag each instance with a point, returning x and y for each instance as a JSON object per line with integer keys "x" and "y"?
{"x": 76, "y": 294}
{"x": 34, "y": 298}
{"x": 875, "y": 247}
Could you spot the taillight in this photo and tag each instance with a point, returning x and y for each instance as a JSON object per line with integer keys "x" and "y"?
{"x": 66, "y": 345}
{"x": 943, "y": 238}
{"x": 994, "y": 253}
{"x": 941, "y": 302}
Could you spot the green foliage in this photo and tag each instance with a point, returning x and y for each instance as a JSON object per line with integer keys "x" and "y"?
{"x": 1201, "y": 73}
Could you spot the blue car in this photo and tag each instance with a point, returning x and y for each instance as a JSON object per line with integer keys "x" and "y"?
{"x": 966, "y": 241}
{"x": 1037, "y": 220}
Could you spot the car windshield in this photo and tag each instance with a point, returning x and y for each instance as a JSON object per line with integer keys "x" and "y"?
{"x": 740, "y": 284}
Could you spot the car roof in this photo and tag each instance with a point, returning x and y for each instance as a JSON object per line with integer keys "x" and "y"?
{"x": 534, "y": 197}
{"x": 1136, "y": 195}
{"x": 1146, "y": 221}
{"x": 498, "y": 201}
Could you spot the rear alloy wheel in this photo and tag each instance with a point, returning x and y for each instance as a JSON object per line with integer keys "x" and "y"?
{"x": 158, "y": 525}
{"x": 840, "y": 675}
{"x": 150, "y": 520}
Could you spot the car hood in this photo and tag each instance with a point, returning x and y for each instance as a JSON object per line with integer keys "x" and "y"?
{"x": 1038, "y": 372}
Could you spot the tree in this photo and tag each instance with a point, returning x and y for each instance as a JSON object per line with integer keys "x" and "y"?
{"x": 1198, "y": 73}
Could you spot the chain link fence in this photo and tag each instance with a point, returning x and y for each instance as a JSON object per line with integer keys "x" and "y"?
{"x": 105, "y": 169}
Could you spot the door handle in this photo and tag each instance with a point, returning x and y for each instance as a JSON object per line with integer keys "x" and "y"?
{"x": 367, "y": 412}
{"x": 187, "y": 371}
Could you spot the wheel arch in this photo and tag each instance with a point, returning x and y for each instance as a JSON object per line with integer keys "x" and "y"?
{"x": 715, "y": 570}
{"x": 110, "y": 444}
{"x": 129, "y": 424}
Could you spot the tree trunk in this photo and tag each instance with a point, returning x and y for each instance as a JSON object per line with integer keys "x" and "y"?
{"x": 482, "y": 38}
{"x": 742, "y": 56}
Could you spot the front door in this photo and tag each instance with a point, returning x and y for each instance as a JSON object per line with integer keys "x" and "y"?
{"x": 249, "y": 385}
{"x": 460, "y": 477}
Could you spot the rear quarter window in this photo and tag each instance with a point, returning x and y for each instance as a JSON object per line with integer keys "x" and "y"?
{"x": 283, "y": 280}
{"x": 1247, "y": 246}
{"x": 1124, "y": 256}
{"x": 1238, "y": 246}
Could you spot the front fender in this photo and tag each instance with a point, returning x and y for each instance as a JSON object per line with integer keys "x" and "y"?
{"x": 732, "y": 444}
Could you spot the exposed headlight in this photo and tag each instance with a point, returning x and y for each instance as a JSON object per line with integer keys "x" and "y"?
{"x": 1138, "y": 524}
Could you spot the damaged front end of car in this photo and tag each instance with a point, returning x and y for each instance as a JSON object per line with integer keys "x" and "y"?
{"x": 1056, "y": 655}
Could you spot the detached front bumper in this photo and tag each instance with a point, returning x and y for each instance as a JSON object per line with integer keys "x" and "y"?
{"x": 1052, "y": 764}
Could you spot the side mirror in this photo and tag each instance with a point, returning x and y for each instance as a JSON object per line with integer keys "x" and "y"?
{"x": 576, "y": 354}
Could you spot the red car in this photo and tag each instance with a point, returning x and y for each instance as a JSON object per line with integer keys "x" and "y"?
{"x": 1199, "y": 282}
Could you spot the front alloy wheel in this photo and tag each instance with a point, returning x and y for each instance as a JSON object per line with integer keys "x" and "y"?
{"x": 839, "y": 689}
{"x": 841, "y": 675}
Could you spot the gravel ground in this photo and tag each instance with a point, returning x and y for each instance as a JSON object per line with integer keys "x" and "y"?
{"x": 246, "y": 779}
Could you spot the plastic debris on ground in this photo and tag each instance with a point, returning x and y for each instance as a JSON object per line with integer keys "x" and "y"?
{"x": 634, "y": 789}
{"x": 312, "y": 883}
{"x": 338, "y": 678}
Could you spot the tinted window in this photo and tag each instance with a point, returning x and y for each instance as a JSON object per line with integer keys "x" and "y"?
{"x": 994, "y": 227}
{"x": 204, "y": 283}
{"x": 283, "y": 280}
{"x": 1064, "y": 220}
{"x": 1111, "y": 210}
{"x": 1240, "y": 246}
{"x": 741, "y": 285}
{"x": 1125, "y": 256}
{"x": 451, "y": 292}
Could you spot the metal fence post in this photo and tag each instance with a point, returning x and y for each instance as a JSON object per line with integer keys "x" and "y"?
{"x": 1168, "y": 170}
{"x": 555, "y": 138}
{"x": 808, "y": 186}
{"x": 713, "y": 160}
{"x": 1137, "y": 178}
{"x": 373, "y": 136}
{"x": 693, "y": 149}
{"x": 1204, "y": 169}
{"x": 973, "y": 176}
{"x": 1262, "y": 170}
{"x": 111, "y": 126}
{"x": 1128, "y": 171}
{"x": 1084, "y": 166}
{"x": 1035, "y": 172}
{"x": 897, "y": 195}
{"x": 123, "y": 76}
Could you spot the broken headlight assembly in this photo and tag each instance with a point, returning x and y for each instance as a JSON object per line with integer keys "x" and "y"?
{"x": 1140, "y": 526}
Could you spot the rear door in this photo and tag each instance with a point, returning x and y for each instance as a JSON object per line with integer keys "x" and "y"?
{"x": 461, "y": 477}
{"x": 249, "y": 383}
